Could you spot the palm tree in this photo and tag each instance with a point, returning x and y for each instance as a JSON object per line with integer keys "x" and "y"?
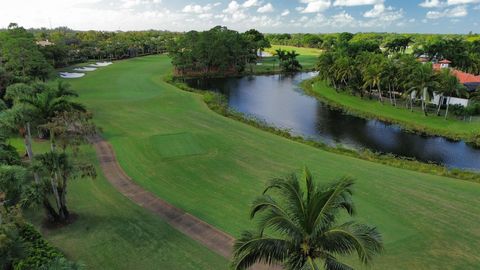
{"x": 305, "y": 228}
{"x": 344, "y": 69}
{"x": 325, "y": 67}
{"x": 449, "y": 86}
{"x": 423, "y": 81}
{"x": 372, "y": 77}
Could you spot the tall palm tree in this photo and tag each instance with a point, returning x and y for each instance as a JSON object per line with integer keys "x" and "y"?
{"x": 325, "y": 67}
{"x": 423, "y": 81}
{"x": 372, "y": 77}
{"x": 304, "y": 227}
{"x": 450, "y": 86}
{"x": 344, "y": 69}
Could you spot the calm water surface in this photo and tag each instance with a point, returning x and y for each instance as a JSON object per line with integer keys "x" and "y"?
{"x": 278, "y": 100}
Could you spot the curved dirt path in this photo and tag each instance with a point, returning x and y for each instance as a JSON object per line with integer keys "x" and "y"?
{"x": 202, "y": 232}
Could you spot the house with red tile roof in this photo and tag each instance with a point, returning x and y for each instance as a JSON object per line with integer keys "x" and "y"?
{"x": 472, "y": 82}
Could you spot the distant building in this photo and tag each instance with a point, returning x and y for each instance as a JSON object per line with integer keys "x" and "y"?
{"x": 470, "y": 81}
{"x": 44, "y": 43}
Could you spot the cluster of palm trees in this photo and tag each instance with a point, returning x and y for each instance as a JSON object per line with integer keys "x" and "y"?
{"x": 288, "y": 60}
{"x": 49, "y": 112}
{"x": 393, "y": 77}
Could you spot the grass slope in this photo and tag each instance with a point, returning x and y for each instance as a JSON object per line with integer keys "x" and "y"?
{"x": 212, "y": 166}
{"x": 415, "y": 120}
{"x": 111, "y": 232}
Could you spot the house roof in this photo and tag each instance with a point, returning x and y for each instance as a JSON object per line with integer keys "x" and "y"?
{"x": 445, "y": 61}
{"x": 464, "y": 77}
{"x": 44, "y": 43}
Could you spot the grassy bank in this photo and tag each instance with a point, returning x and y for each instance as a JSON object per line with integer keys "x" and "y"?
{"x": 218, "y": 103}
{"x": 111, "y": 232}
{"x": 171, "y": 143}
{"x": 414, "y": 121}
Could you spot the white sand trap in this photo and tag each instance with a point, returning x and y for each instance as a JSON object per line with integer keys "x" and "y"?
{"x": 85, "y": 69}
{"x": 71, "y": 75}
{"x": 101, "y": 64}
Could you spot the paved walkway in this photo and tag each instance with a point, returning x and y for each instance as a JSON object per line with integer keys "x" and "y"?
{"x": 200, "y": 231}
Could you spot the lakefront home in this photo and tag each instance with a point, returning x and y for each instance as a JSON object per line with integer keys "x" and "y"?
{"x": 470, "y": 81}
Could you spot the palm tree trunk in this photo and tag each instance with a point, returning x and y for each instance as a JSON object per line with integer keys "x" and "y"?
{"x": 380, "y": 94}
{"x": 394, "y": 99}
{"x": 28, "y": 146}
{"x": 54, "y": 181}
{"x": 448, "y": 105}
{"x": 440, "y": 101}
{"x": 51, "y": 213}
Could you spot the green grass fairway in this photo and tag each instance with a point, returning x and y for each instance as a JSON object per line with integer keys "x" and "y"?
{"x": 114, "y": 233}
{"x": 308, "y": 59}
{"x": 211, "y": 166}
{"x": 412, "y": 120}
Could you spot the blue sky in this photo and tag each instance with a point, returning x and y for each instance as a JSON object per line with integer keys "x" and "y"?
{"x": 425, "y": 16}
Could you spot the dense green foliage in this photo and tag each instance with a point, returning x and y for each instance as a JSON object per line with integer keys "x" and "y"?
{"x": 20, "y": 58}
{"x": 303, "y": 217}
{"x": 31, "y": 106}
{"x": 67, "y": 46}
{"x": 362, "y": 69}
{"x": 463, "y": 54}
{"x": 216, "y": 51}
{"x": 23, "y": 248}
{"x": 288, "y": 60}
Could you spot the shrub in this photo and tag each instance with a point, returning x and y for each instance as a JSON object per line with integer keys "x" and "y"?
{"x": 39, "y": 253}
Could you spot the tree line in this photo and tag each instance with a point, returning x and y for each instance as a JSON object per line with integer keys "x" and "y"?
{"x": 67, "y": 46}
{"x": 361, "y": 68}
{"x": 216, "y": 51}
{"x": 32, "y": 108}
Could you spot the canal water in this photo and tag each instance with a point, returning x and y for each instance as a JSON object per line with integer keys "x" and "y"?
{"x": 278, "y": 100}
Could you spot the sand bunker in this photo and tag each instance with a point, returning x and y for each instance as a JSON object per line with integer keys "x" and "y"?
{"x": 85, "y": 69}
{"x": 71, "y": 75}
{"x": 101, "y": 64}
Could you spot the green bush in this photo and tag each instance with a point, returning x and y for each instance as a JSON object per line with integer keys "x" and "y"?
{"x": 39, "y": 253}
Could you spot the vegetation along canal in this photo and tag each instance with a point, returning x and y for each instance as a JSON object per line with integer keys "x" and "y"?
{"x": 278, "y": 100}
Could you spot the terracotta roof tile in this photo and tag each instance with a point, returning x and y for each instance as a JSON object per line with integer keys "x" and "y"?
{"x": 464, "y": 77}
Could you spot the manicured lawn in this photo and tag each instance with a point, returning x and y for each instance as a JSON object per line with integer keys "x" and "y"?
{"x": 307, "y": 58}
{"x": 111, "y": 232}
{"x": 300, "y": 50}
{"x": 172, "y": 144}
{"x": 413, "y": 120}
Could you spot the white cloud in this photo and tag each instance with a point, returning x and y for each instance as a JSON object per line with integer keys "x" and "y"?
{"x": 266, "y": 8}
{"x": 461, "y": 2}
{"x": 196, "y": 9}
{"x": 431, "y": 4}
{"x": 352, "y": 3}
{"x": 445, "y": 3}
{"x": 232, "y": 8}
{"x": 458, "y": 11}
{"x": 377, "y": 11}
{"x": 250, "y": 3}
{"x": 384, "y": 13}
{"x": 314, "y": 6}
{"x": 285, "y": 12}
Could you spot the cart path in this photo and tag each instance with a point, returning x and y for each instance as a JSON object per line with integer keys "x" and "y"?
{"x": 202, "y": 232}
